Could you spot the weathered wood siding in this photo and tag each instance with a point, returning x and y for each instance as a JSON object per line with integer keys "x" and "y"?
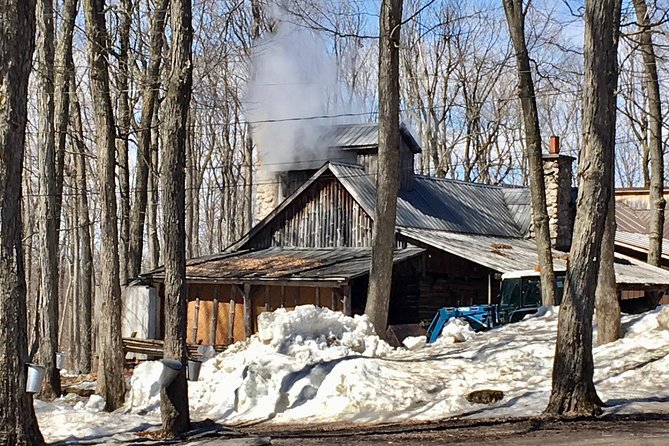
{"x": 325, "y": 216}
{"x": 369, "y": 161}
{"x": 263, "y": 298}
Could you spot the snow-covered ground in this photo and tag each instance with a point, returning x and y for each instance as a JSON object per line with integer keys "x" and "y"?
{"x": 315, "y": 365}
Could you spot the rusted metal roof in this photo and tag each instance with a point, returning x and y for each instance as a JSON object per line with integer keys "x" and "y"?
{"x": 505, "y": 254}
{"x": 334, "y": 266}
{"x": 363, "y": 136}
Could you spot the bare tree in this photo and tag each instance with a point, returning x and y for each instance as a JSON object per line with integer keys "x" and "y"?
{"x": 111, "y": 384}
{"x": 656, "y": 193}
{"x": 48, "y": 308}
{"x": 606, "y": 296}
{"x": 387, "y": 179}
{"x": 174, "y": 398}
{"x": 18, "y": 424}
{"x": 149, "y": 101}
{"x": 515, "y": 16}
{"x": 573, "y": 391}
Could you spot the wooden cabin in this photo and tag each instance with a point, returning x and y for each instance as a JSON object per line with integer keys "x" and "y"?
{"x": 454, "y": 240}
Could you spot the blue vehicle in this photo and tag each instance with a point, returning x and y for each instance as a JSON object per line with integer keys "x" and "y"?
{"x": 520, "y": 295}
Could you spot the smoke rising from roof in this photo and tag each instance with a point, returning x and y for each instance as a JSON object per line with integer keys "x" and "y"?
{"x": 293, "y": 80}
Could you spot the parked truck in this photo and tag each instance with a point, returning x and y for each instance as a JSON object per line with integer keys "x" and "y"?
{"x": 520, "y": 295}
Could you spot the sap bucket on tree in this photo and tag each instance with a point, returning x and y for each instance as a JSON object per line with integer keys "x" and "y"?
{"x": 171, "y": 368}
{"x": 60, "y": 359}
{"x": 35, "y": 378}
{"x": 194, "y": 369}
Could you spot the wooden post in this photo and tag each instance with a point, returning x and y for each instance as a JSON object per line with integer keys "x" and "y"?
{"x": 248, "y": 311}
{"x": 318, "y": 296}
{"x": 334, "y": 299}
{"x": 214, "y": 318}
{"x": 267, "y": 298}
{"x": 347, "y": 300}
{"x": 231, "y": 319}
{"x": 283, "y": 296}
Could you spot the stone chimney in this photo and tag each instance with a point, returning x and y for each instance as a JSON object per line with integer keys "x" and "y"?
{"x": 558, "y": 177}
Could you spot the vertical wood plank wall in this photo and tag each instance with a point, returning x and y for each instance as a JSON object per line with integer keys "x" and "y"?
{"x": 224, "y": 293}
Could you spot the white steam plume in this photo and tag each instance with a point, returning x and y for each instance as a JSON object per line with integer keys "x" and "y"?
{"x": 294, "y": 80}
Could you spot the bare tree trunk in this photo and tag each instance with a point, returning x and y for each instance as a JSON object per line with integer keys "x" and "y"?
{"x": 656, "y": 193}
{"x": 18, "y": 424}
{"x": 85, "y": 285}
{"x": 111, "y": 384}
{"x": 606, "y": 297}
{"x": 174, "y": 398}
{"x": 123, "y": 137}
{"x": 573, "y": 392}
{"x": 64, "y": 65}
{"x": 387, "y": 180}
{"x": 152, "y": 224}
{"x": 515, "y": 16}
{"x": 152, "y": 84}
{"x": 48, "y": 310}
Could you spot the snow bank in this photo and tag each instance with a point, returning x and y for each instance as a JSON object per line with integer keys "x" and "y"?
{"x": 315, "y": 365}
{"x": 455, "y": 330}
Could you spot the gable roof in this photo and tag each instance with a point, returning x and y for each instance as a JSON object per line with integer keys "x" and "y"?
{"x": 438, "y": 203}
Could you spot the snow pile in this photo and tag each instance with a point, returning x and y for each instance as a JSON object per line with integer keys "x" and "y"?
{"x": 414, "y": 342}
{"x": 455, "y": 330}
{"x": 280, "y": 367}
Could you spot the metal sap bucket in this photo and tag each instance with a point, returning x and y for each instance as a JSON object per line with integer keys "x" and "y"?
{"x": 171, "y": 368}
{"x": 35, "y": 378}
{"x": 194, "y": 369}
{"x": 60, "y": 359}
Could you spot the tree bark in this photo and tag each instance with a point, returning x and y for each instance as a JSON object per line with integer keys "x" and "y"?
{"x": 149, "y": 94}
{"x": 48, "y": 309}
{"x": 387, "y": 180}
{"x": 85, "y": 284}
{"x": 18, "y": 424}
{"x": 515, "y": 17}
{"x": 573, "y": 392}
{"x": 111, "y": 384}
{"x": 656, "y": 192}
{"x": 123, "y": 137}
{"x": 606, "y": 297}
{"x": 64, "y": 66}
{"x": 174, "y": 398}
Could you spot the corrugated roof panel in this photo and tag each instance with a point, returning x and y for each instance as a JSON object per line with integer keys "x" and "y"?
{"x": 364, "y": 136}
{"x": 440, "y": 204}
{"x": 504, "y": 255}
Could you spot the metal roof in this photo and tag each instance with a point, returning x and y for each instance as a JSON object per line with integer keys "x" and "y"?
{"x": 334, "y": 266}
{"x": 639, "y": 242}
{"x": 511, "y": 254}
{"x": 364, "y": 136}
{"x": 438, "y": 203}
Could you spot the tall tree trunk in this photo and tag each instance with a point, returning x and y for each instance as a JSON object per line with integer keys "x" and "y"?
{"x": 64, "y": 65}
{"x": 123, "y": 137}
{"x": 48, "y": 308}
{"x": 656, "y": 193}
{"x": 18, "y": 424}
{"x": 149, "y": 94}
{"x": 573, "y": 392}
{"x": 174, "y": 398}
{"x": 85, "y": 285}
{"x": 515, "y": 17}
{"x": 152, "y": 223}
{"x": 387, "y": 179}
{"x": 111, "y": 384}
